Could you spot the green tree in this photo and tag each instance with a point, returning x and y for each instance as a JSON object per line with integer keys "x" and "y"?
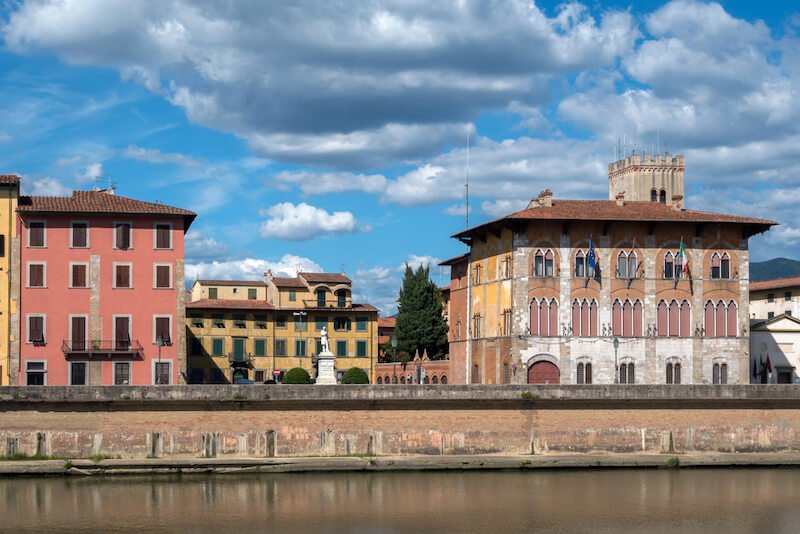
{"x": 355, "y": 375}
{"x": 420, "y": 325}
{"x": 296, "y": 375}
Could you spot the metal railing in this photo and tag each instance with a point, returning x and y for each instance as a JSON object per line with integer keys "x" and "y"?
{"x": 104, "y": 346}
{"x": 239, "y": 358}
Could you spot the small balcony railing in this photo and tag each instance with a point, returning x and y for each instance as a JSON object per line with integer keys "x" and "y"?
{"x": 72, "y": 347}
{"x": 239, "y": 358}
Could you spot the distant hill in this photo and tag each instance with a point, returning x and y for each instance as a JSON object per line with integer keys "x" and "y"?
{"x": 774, "y": 268}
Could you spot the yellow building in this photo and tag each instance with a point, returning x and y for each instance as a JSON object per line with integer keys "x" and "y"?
{"x": 258, "y": 330}
{"x": 9, "y": 270}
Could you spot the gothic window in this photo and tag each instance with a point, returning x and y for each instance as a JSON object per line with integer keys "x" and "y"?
{"x": 543, "y": 263}
{"x": 616, "y": 318}
{"x": 584, "y": 318}
{"x": 663, "y": 197}
{"x": 721, "y": 320}
{"x": 674, "y": 318}
{"x": 580, "y": 265}
{"x": 638, "y": 318}
{"x": 507, "y": 322}
{"x": 720, "y": 373}
{"x": 476, "y": 325}
{"x": 653, "y": 195}
{"x": 732, "y": 319}
{"x": 538, "y": 263}
{"x": 549, "y": 258}
{"x": 662, "y": 319}
{"x": 544, "y": 318}
{"x": 580, "y": 373}
{"x": 669, "y": 266}
{"x": 587, "y": 373}
{"x": 720, "y": 266}
{"x": 627, "y": 374}
{"x": 534, "y": 318}
{"x": 708, "y": 320}
{"x": 627, "y": 265}
{"x": 593, "y": 318}
{"x": 673, "y": 373}
{"x": 686, "y": 319}
{"x": 626, "y": 318}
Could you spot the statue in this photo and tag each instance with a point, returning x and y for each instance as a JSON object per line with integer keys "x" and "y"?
{"x": 324, "y": 339}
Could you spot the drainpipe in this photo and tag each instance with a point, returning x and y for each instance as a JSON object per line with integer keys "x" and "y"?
{"x": 468, "y": 359}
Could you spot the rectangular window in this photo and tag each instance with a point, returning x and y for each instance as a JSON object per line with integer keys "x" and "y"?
{"x": 36, "y": 329}
{"x": 292, "y": 295}
{"x": 300, "y": 347}
{"x": 36, "y": 275}
{"x": 260, "y": 347}
{"x": 122, "y": 373}
{"x": 163, "y": 237}
{"x": 252, "y": 293}
{"x": 260, "y": 376}
{"x": 122, "y": 236}
{"x": 361, "y": 349}
{"x": 787, "y": 296}
{"x": 196, "y": 346}
{"x": 163, "y": 330}
{"x": 770, "y": 297}
{"x": 341, "y": 348}
{"x": 320, "y": 298}
{"x": 80, "y": 235}
{"x": 122, "y": 333}
{"x": 36, "y": 373}
{"x": 341, "y": 324}
{"x": 341, "y": 298}
{"x": 2, "y": 246}
{"x": 79, "y": 275}
{"x": 239, "y": 320}
{"x": 122, "y": 276}
{"x": 300, "y": 322}
{"x": 361, "y": 324}
{"x": 37, "y": 234}
{"x": 770, "y": 315}
{"x": 280, "y": 321}
{"x": 163, "y": 276}
{"x": 218, "y": 320}
{"x": 77, "y": 373}
{"x": 162, "y": 373}
{"x": 320, "y": 323}
{"x": 319, "y": 345}
{"x": 261, "y": 321}
{"x": 280, "y": 347}
{"x": 217, "y": 346}
{"x": 212, "y": 293}
{"x": 77, "y": 333}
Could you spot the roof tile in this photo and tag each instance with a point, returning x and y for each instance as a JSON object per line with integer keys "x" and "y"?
{"x": 775, "y": 284}
{"x": 335, "y": 278}
{"x": 97, "y": 202}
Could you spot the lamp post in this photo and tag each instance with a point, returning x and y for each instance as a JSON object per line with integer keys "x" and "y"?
{"x": 160, "y": 343}
{"x": 616, "y": 365}
{"x": 393, "y": 343}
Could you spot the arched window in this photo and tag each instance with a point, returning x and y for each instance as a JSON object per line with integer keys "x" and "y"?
{"x": 553, "y": 318}
{"x": 663, "y": 197}
{"x": 732, "y": 319}
{"x": 616, "y": 318}
{"x": 580, "y": 264}
{"x": 673, "y": 373}
{"x": 538, "y": 263}
{"x": 544, "y": 318}
{"x": 653, "y": 195}
{"x": 549, "y": 260}
{"x": 576, "y": 318}
{"x": 632, "y": 265}
{"x": 380, "y": 380}
{"x": 715, "y": 266}
{"x": 725, "y": 266}
{"x": 534, "y": 318}
{"x": 627, "y": 374}
{"x": 669, "y": 373}
{"x": 584, "y": 318}
{"x": 394, "y": 380}
{"x": 638, "y": 318}
{"x": 674, "y": 318}
{"x": 587, "y": 373}
{"x": 715, "y": 374}
{"x": 627, "y": 319}
{"x": 669, "y": 266}
{"x": 402, "y": 380}
{"x": 435, "y": 380}
{"x": 662, "y": 319}
{"x": 708, "y": 320}
{"x": 720, "y": 373}
{"x": 341, "y": 298}
{"x": 622, "y": 265}
{"x": 719, "y": 319}
{"x": 426, "y": 380}
{"x": 593, "y": 318}
{"x": 686, "y": 319}
{"x": 580, "y": 373}
{"x": 386, "y": 380}
{"x": 543, "y": 263}
{"x": 476, "y": 374}
{"x": 444, "y": 379}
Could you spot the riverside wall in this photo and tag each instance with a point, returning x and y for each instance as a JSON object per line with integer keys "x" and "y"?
{"x": 292, "y": 421}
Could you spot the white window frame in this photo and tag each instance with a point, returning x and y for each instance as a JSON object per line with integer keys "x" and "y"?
{"x": 86, "y": 263}
{"x": 28, "y": 327}
{"x": 153, "y": 370}
{"x": 44, "y": 370}
{"x": 28, "y": 274}
{"x": 114, "y": 326}
{"x": 155, "y": 275}
{"x": 86, "y": 327}
{"x": 171, "y": 323}
{"x": 72, "y": 228}
{"x": 69, "y": 372}
{"x": 114, "y": 230}
{"x": 155, "y": 235}
{"x": 130, "y": 274}
{"x": 114, "y": 372}
{"x": 28, "y": 232}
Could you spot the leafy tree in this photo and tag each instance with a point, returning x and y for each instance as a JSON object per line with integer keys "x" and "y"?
{"x": 355, "y": 375}
{"x": 420, "y": 325}
{"x": 296, "y": 375}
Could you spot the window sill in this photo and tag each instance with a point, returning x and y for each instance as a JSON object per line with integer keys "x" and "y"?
{"x": 115, "y": 287}
{"x": 79, "y": 287}
{"x": 164, "y": 288}
{"x": 73, "y": 247}
{"x": 168, "y": 248}
{"x": 35, "y": 287}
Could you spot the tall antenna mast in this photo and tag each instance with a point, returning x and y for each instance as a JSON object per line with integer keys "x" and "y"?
{"x": 466, "y": 184}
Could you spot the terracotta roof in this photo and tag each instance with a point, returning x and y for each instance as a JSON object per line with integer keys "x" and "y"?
{"x": 227, "y": 283}
{"x": 775, "y": 284}
{"x": 9, "y": 179}
{"x": 230, "y": 304}
{"x": 354, "y": 307}
{"x": 281, "y": 281}
{"x": 609, "y": 210}
{"x": 387, "y": 322}
{"x": 99, "y": 202}
{"x": 335, "y": 278}
{"x": 455, "y": 259}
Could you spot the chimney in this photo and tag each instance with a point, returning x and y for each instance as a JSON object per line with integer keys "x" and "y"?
{"x": 677, "y": 202}
{"x": 268, "y": 276}
{"x": 621, "y": 198}
{"x": 544, "y": 200}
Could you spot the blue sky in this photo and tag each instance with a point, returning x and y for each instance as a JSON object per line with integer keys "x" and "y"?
{"x": 320, "y": 135}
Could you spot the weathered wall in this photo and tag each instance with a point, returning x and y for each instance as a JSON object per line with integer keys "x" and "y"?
{"x": 194, "y": 421}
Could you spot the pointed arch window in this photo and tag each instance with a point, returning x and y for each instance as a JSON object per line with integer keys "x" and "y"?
{"x": 544, "y": 317}
{"x": 627, "y": 374}
{"x": 627, "y": 264}
{"x": 733, "y": 314}
{"x": 669, "y": 266}
{"x": 653, "y": 195}
{"x": 662, "y": 197}
{"x": 549, "y": 261}
{"x": 626, "y": 318}
{"x": 543, "y": 263}
{"x": 584, "y": 373}
{"x": 720, "y": 266}
{"x": 720, "y": 373}
{"x": 673, "y": 373}
{"x": 580, "y": 264}
{"x": 584, "y": 318}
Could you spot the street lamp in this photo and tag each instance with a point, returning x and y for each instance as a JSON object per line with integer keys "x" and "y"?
{"x": 393, "y": 343}
{"x": 616, "y": 365}
{"x": 160, "y": 343}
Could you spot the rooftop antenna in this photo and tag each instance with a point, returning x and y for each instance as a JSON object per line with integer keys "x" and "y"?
{"x": 466, "y": 184}
{"x": 658, "y": 143}
{"x": 341, "y": 268}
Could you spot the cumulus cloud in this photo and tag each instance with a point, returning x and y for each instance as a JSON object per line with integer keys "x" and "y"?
{"x": 153, "y": 155}
{"x": 250, "y": 268}
{"x": 499, "y": 208}
{"x": 199, "y": 245}
{"x": 311, "y": 183}
{"x": 92, "y": 172}
{"x": 299, "y": 222}
{"x": 69, "y": 161}
{"x": 366, "y": 85}
{"x": 43, "y": 186}
{"x": 416, "y": 261}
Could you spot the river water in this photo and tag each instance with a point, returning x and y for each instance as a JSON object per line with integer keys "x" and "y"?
{"x": 651, "y": 501}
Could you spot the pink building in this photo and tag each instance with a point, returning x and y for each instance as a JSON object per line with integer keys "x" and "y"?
{"x": 102, "y": 290}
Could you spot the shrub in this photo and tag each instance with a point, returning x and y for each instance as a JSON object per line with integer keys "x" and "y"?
{"x": 355, "y": 375}
{"x": 296, "y": 375}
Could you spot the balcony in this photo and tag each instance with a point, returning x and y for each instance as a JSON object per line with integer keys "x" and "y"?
{"x": 239, "y": 357}
{"x": 74, "y": 347}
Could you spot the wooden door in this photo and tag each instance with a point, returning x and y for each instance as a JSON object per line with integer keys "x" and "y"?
{"x": 543, "y": 373}
{"x": 79, "y": 333}
{"x": 122, "y": 333}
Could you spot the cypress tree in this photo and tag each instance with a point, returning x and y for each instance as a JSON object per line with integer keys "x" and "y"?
{"x": 420, "y": 325}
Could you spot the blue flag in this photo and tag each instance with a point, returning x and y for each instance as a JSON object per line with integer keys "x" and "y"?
{"x": 592, "y": 262}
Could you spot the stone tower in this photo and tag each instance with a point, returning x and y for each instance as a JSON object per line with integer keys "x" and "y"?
{"x": 654, "y": 178}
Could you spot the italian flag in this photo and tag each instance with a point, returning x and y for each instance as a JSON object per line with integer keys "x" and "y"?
{"x": 682, "y": 256}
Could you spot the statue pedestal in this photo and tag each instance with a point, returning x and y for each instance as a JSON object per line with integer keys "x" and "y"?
{"x": 326, "y": 368}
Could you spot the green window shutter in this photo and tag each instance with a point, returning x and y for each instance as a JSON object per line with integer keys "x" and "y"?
{"x": 349, "y": 324}
{"x": 217, "y": 347}
{"x": 319, "y": 345}
{"x": 251, "y": 293}
{"x": 361, "y": 348}
{"x": 361, "y": 324}
{"x": 341, "y": 348}
{"x": 260, "y": 347}
{"x": 212, "y": 292}
{"x": 300, "y": 347}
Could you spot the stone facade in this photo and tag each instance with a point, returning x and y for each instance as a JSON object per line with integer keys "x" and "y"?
{"x": 651, "y": 178}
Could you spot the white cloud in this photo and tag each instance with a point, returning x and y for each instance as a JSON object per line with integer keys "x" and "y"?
{"x": 415, "y": 261}
{"x": 153, "y": 155}
{"x": 378, "y": 286}
{"x": 499, "y": 208}
{"x": 92, "y": 172}
{"x": 199, "y": 245}
{"x": 69, "y": 161}
{"x": 303, "y": 221}
{"x": 250, "y": 268}
{"x": 43, "y": 186}
{"x": 4, "y": 137}
{"x": 312, "y": 183}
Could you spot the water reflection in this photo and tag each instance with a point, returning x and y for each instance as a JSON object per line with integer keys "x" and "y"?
{"x": 597, "y": 501}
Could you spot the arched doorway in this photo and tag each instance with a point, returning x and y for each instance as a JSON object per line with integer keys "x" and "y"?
{"x": 544, "y": 373}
